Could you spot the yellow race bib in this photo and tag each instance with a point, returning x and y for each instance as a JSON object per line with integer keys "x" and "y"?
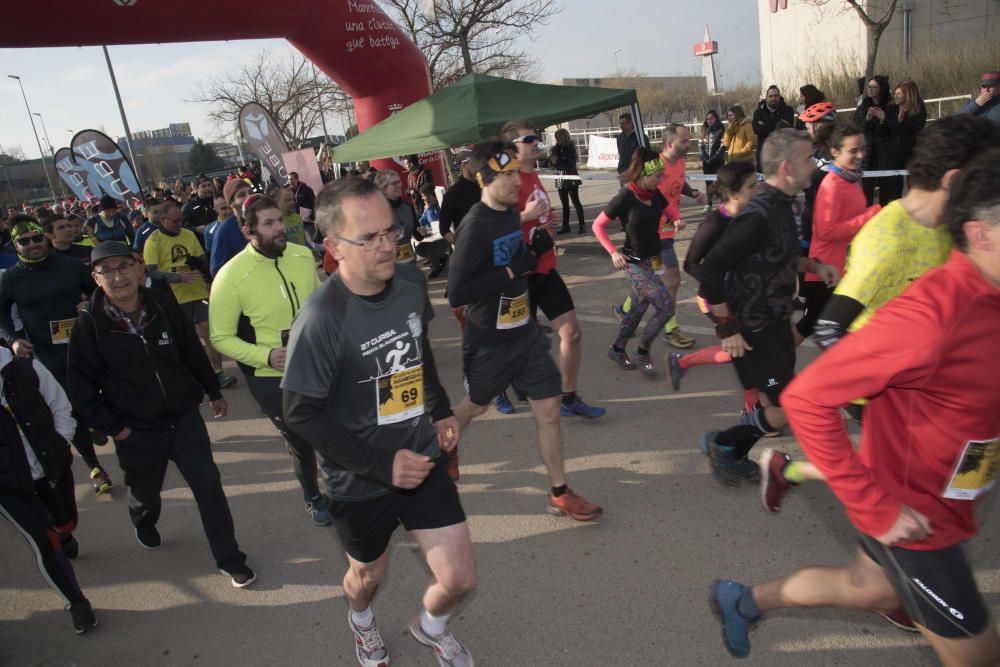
{"x": 400, "y": 395}
{"x": 513, "y": 312}
{"x": 60, "y": 330}
{"x": 404, "y": 253}
{"x": 976, "y": 470}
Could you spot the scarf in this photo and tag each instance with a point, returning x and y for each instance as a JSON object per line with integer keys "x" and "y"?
{"x": 122, "y": 321}
{"x": 849, "y": 175}
{"x": 640, "y": 194}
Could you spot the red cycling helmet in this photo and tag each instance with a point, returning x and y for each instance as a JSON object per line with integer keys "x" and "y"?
{"x": 821, "y": 111}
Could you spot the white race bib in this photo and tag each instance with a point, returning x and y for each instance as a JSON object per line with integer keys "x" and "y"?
{"x": 976, "y": 470}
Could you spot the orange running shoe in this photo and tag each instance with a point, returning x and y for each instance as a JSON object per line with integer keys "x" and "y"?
{"x": 574, "y": 506}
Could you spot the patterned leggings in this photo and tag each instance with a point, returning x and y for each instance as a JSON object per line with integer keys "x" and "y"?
{"x": 647, "y": 289}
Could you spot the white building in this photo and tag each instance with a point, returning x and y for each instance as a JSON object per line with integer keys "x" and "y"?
{"x": 796, "y": 36}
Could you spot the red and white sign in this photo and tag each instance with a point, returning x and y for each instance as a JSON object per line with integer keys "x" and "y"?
{"x": 706, "y": 48}
{"x": 602, "y": 153}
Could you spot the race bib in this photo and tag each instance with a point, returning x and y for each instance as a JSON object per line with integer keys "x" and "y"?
{"x": 60, "y": 330}
{"x": 657, "y": 265}
{"x": 513, "y": 312}
{"x": 400, "y": 395}
{"x": 404, "y": 253}
{"x": 976, "y": 470}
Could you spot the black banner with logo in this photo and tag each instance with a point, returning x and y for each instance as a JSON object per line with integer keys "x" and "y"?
{"x": 265, "y": 140}
{"x": 107, "y": 170}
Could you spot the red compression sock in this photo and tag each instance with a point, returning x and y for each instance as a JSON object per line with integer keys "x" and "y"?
{"x": 705, "y": 357}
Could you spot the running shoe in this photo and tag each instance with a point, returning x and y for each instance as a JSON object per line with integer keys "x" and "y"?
{"x": 900, "y": 619}
{"x": 724, "y": 463}
{"x": 773, "y": 484}
{"x": 449, "y": 651}
{"x": 101, "y": 481}
{"x": 578, "y": 408}
{"x": 724, "y": 598}
{"x": 617, "y": 311}
{"x": 676, "y": 372}
{"x": 149, "y": 538}
{"x": 575, "y": 507}
{"x": 452, "y": 464}
{"x": 678, "y": 338}
{"x": 748, "y": 469}
{"x": 646, "y": 364}
{"x": 368, "y": 644}
{"x": 503, "y": 404}
{"x": 318, "y": 510}
{"x": 620, "y": 358}
{"x": 83, "y": 616}
{"x": 225, "y": 380}
{"x": 241, "y": 575}
{"x": 70, "y": 547}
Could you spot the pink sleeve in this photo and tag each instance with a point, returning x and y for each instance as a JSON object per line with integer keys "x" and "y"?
{"x": 602, "y": 235}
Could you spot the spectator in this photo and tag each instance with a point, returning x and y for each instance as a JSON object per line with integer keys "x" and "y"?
{"x": 434, "y": 251}
{"x": 305, "y": 198}
{"x": 869, "y": 115}
{"x": 416, "y": 178}
{"x": 772, "y": 114}
{"x": 739, "y": 139}
{"x": 896, "y": 136}
{"x": 563, "y": 158}
{"x": 628, "y": 140}
{"x": 808, "y": 96}
{"x": 987, "y": 104}
{"x": 711, "y": 151}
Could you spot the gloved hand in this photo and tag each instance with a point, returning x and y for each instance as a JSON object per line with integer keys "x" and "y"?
{"x": 541, "y": 241}
{"x": 524, "y": 261}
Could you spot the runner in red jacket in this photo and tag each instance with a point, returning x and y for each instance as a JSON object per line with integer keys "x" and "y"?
{"x": 930, "y": 445}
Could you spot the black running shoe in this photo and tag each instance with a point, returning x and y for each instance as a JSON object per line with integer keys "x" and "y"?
{"x": 83, "y": 616}
{"x": 241, "y": 575}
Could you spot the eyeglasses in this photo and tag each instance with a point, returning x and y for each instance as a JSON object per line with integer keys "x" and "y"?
{"x": 527, "y": 139}
{"x": 28, "y": 240}
{"x": 112, "y": 271}
{"x": 371, "y": 242}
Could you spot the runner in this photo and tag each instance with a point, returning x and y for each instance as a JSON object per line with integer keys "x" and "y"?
{"x": 675, "y": 146}
{"x": 403, "y": 213}
{"x": 736, "y": 185}
{"x": 749, "y": 279}
{"x": 502, "y": 345}
{"x": 362, "y": 388}
{"x": 255, "y": 297}
{"x": 640, "y": 206}
{"x": 929, "y": 449}
{"x": 546, "y": 288}
{"x": 894, "y": 248}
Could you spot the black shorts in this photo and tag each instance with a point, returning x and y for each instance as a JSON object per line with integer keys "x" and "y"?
{"x": 366, "y": 526}
{"x": 524, "y": 363}
{"x": 196, "y": 311}
{"x": 816, "y": 295}
{"x": 548, "y": 292}
{"x": 770, "y": 365}
{"x": 936, "y": 588}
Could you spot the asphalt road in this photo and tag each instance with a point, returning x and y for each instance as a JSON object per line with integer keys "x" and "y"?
{"x": 629, "y": 589}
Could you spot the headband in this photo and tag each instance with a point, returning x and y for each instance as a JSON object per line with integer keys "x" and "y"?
{"x": 652, "y": 167}
{"x": 499, "y": 163}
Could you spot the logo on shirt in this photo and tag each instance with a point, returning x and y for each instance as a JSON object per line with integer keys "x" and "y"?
{"x": 505, "y": 247}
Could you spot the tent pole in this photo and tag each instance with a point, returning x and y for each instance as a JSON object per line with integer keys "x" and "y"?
{"x": 640, "y": 129}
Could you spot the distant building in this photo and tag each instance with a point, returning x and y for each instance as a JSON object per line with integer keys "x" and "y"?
{"x": 797, "y": 37}
{"x": 667, "y": 86}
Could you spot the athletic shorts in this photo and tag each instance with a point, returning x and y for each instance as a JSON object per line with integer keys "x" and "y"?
{"x": 816, "y": 295}
{"x": 668, "y": 255}
{"x": 366, "y": 526}
{"x": 770, "y": 365}
{"x": 548, "y": 292}
{"x": 197, "y": 311}
{"x": 524, "y": 363}
{"x": 936, "y": 588}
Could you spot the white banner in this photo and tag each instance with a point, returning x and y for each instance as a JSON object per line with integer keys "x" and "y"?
{"x": 602, "y": 153}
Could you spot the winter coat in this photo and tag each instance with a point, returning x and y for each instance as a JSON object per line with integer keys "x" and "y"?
{"x": 896, "y": 138}
{"x": 872, "y": 156}
{"x": 711, "y": 150}
{"x": 740, "y": 141}
{"x": 766, "y": 121}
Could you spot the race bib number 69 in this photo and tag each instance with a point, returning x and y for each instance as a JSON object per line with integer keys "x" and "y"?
{"x": 401, "y": 396}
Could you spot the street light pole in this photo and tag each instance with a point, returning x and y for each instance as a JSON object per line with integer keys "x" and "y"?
{"x": 618, "y": 71}
{"x": 52, "y": 151}
{"x": 52, "y": 190}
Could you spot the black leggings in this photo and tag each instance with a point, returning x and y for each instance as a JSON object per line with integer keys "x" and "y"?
{"x": 29, "y": 516}
{"x": 565, "y": 194}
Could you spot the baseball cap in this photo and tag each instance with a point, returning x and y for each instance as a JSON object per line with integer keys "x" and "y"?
{"x": 990, "y": 79}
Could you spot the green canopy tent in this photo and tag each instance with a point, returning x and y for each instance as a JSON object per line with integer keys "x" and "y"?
{"x": 476, "y": 107}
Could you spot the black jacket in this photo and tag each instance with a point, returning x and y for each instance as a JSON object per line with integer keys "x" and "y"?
{"x": 766, "y": 121}
{"x": 873, "y": 157}
{"x": 28, "y": 410}
{"x": 119, "y": 379}
{"x": 896, "y": 138}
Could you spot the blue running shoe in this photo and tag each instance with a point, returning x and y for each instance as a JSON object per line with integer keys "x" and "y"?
{"x": 617, "y": 311}
{"x": 676, "y": 372}
{"x": 705, "y": 439}
{"x": 578, "y": 407}
{"x": 503, "y": 404}
{"x": 318, "y": 511}
{"x": 724, "y": 599}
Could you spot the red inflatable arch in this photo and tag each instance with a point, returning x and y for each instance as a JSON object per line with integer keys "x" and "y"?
{"x": 352, "y": 41}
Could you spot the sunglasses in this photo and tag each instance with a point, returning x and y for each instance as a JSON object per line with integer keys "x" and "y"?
{"x": 527, "y": 139}
{"x": 28, "y": 240}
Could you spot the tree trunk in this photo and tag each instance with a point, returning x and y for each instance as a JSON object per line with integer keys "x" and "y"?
{"x": 466, "y": 54}
{"x": 874, "y": 36}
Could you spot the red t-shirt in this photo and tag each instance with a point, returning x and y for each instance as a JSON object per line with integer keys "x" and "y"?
{"x": 531, "y": 184}
{"x": 927, "y": 363}
{"x": 840, "y": 211}
{"x": 671, "y": 187}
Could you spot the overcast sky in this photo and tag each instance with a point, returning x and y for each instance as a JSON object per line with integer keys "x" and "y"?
{"x": 71, "y": 89}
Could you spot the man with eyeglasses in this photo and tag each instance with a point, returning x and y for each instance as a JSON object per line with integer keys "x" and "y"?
{"x": 175, "y": 249}
{"x": 987, "y": 104}
{"x": 501, "y": 344}
{"x": 255, "y": 296}
{"x": 138, "y": 372}
{"x": 361, "y": 387}
{"x": 47, "y": 289}
{"x": 547, "y": 290}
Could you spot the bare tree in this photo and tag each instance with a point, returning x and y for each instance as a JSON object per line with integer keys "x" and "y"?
{"x": 291, "y": 90}
{"x": 11, "y": 155}
{"x": 876, "y": 16}
{"x": 460, "y": 37}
